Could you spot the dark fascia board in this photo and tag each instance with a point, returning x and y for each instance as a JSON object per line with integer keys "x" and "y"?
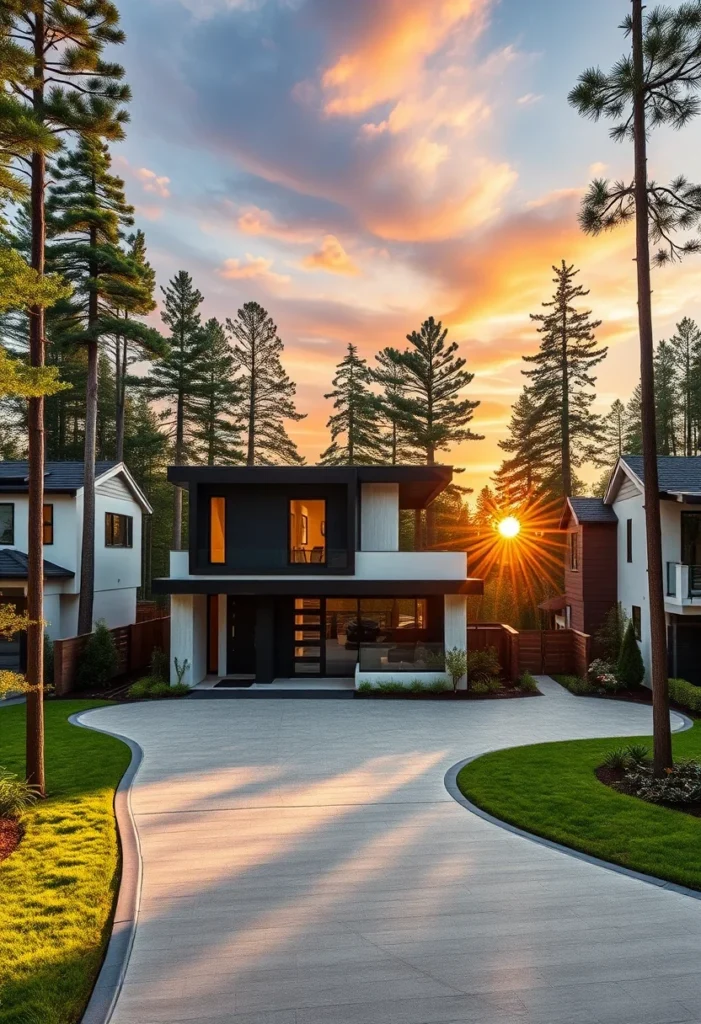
{"x": 418, "y": 485}
{"x": 319, "y": 588}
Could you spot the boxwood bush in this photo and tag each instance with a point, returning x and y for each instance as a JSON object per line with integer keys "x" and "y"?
{"x": 685, "y": 694}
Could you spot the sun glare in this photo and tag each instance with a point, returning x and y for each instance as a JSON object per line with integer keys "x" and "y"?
{"x": 509, "y": 527}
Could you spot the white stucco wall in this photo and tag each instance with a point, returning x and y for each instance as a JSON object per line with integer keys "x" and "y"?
{"x": 52, "y": 615}
{"x": 379, "y": 517}
{"x": 632, "y": 576}
{"x": 222, "y": 646}
{"x": 116, "y": 607}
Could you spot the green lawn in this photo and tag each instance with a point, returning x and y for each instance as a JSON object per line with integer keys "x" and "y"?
{"x": 58, "y": 888}
{"x": 551, "y": 790}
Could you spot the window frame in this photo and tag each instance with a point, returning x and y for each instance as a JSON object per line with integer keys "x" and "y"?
{"x": 636, "y": 616}
{"x": 49, "y": 524}
{"x": 11, "y": 506}
{"x": 304, "y": 523}
{"x": 574, "y": 550}
{"x": 629, "y": 541}
{"x": 110, "y": 519}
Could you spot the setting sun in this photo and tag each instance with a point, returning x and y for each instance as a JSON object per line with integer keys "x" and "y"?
{"x": 509, "y": 527}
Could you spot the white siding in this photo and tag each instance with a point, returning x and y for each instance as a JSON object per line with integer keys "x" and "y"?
{"x": 632, "y": 576}
{"x": 628, "y": 489}
{"x": 379, "y": 517}
{"x": 115, "y": 487}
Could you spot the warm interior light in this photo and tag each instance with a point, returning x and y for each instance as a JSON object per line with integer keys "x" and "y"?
{"x": 509, "y": 527}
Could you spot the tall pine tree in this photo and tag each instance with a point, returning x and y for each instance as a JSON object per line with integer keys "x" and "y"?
{"x": 666, "y": 400}
{"x": 523, "y": 474}
{"x": 267, "y": 391}
{"x": 562, "y": 385}
{"x": 356, "y": 422}
{"x": 216, "y": 428}
{"x": 178, "y": 378}
{"x": 686, "y": 349}
{"x": 392, "y": 379}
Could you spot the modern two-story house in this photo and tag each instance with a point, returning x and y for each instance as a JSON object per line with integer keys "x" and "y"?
{"x": 119, "y": 509}
{"x": 296, "y": 574}
{"x": 606, "y": 557}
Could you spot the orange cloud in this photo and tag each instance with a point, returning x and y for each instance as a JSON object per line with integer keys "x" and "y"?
{"x": 252, "y": 220}
{"x": 331, "y": 257}
{"x": 255, "y": 268}
{"x": 382, "y": 65}
{"x": 154, "y": 183}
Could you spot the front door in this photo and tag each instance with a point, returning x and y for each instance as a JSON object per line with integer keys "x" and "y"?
{"x": 242, "y": 636}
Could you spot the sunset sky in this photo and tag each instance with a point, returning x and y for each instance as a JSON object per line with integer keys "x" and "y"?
{"x": 358, "y": 165}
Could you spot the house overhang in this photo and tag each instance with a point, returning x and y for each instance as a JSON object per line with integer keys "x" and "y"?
{"x": 332, "y": 587}
{"x": 418, "y": 485}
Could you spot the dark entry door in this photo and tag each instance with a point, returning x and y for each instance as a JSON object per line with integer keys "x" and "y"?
{"x": 242, "y": 636}
{"x": 685, "y": 652}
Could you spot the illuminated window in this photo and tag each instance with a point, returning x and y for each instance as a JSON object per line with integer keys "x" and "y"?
{"x": 48, "y": 524}
{"x": 119, "y": 530}
{"x": 308, "y": 531}
{"x": 217, "y": 530}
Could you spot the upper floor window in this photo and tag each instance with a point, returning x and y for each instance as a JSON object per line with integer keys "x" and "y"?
{"x": 308, "y": 531}
{"x": 119, "y": 530}
{"x": 48, "y": 524}
{"x": 629, "y": 540}
{"x": 7, "y": 523}
{"x": 637, "y": 622}
{"x": 217, "y": 531}
{"x": 574, "y": 552}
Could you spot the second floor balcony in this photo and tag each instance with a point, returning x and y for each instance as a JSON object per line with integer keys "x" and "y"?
{"x": 683, "y": 584}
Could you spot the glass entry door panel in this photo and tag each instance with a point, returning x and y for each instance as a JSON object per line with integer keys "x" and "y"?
{"x": 341, "y": 635}
{"x": 309, "y": 640}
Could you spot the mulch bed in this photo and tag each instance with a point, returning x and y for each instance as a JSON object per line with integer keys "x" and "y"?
{"x": 10, "y": 836}
{"x": 613, "y": 777}
{"x": 506, "y": 694}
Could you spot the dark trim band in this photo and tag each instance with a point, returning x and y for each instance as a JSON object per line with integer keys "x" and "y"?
{"x": 301, "y": 587}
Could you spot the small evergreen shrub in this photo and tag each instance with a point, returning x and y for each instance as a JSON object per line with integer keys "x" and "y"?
{"x": 158, "y": 667}
{"x": 630, "y": 668}
{"x": 482, "y": 666}
{"x": 16, "y": 795}
{"x": 151, "y": 687}
{"x": 609, "y": 639}
{"x": 685, "y": 694}
{"x": 98, "y": 661}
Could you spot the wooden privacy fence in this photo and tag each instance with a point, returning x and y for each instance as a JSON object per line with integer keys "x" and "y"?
{"x": 539, "y": 651}
{"x": 134, "y": 643}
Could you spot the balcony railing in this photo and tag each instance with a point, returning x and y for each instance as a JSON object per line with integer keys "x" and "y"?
{"x": 254, "y": 558}
{"x": 683, "y": 581}
{"x": 402, "y": 657}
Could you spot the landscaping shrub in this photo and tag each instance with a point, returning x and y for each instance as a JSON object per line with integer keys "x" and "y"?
{"x": 685, "y": 694}
{"x": 16, "y": 795}
{"x": 629, "y": 757}
{"x": 48, "y": 662}
{"x": 158, "y": 667}
{"x": 391, "y": 687}
{"x": 527, "y": 683}
{"x": 679, "y": 785}
{"x": 578, "y": 687}
{"x": 482, "y": 666}
{"x": 630, "y": 668}
{"x": 601, "y": 676}
{"x": 457, "y": 665}
{"x": 153, "y": 687}
{"x": 365, "y": 687}
{"x": 438, "y": 686}
{"x": 609, "y": 639}
{"x": 98, "y": 661}
{"x": 486, "y": 686}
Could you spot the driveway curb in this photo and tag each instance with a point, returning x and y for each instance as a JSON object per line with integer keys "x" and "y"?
{"x": 451, "y": 784}
{"x": 114, "y": 967}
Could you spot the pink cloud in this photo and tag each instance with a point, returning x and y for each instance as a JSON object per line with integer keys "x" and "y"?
{"x": 254, "y": 268}
{"x": 332, "y": 258}
{"x": 154, "y": 183}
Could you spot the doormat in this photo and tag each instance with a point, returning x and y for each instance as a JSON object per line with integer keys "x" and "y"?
{"x": 234, "y": 684}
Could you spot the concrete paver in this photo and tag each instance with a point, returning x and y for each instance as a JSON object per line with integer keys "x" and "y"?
{"x": 304, "y": 864}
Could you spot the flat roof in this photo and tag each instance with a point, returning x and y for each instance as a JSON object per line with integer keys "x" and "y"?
{"x": 418, "y": 485}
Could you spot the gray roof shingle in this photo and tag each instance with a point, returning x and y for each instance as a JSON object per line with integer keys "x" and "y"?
{"x": 59, "y": 476}
{"x": 677, "y": 473}
{"x": 14, "y": 566}
{"x": 592, "y": 510}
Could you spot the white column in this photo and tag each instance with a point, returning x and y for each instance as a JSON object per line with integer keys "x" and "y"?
{"x": 455, "y": 627}
{"x": 181, "y": 635}
{"x": 379, "y": 517}
{"x": 199, "y": 638}
{"x": 223, "y": 638}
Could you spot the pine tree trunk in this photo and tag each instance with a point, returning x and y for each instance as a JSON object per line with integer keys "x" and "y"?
{"x": 34, "y": 748}
{"x": 177, "y": 491}
{"x": 120, "y": 368}
{"x": 251, "y": 454}
{"x": 431, "y": 510}
{"x": 87, "y": 558}
{"x": 658, "y": 639}
{"x": 565, "y": 421}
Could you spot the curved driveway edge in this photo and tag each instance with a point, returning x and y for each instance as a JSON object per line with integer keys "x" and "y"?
{"x": 451, "y": 784}
{"x": 109, "y": 981}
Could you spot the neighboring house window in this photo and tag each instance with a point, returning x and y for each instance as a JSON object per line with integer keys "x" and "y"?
{"x": 637, "y": 622}
{"x": 48, "y": 524}
{"x": 574, "y": 552}
{"x": 119, "y": 530}
{"x": 217, "y": 531}
{"x": 629, "y": 541}
{"x": 7, "y": 523}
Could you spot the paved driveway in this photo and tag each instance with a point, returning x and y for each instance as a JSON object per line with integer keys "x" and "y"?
{"x": 304, "y": 864}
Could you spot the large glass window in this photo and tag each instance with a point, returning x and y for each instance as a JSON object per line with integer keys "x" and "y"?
{"x": 308, "y": 637}
{"x": 308, "y": 531}
{"x": 217, "y": 531}
{"x": 341, "y": 636}
{"x": 691, "y": 538}
{"x": 118, "y": 530}
{"x": 7, "y": 523}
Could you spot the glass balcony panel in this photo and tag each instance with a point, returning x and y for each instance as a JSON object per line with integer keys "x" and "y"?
{"x": 402, "y": 657}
